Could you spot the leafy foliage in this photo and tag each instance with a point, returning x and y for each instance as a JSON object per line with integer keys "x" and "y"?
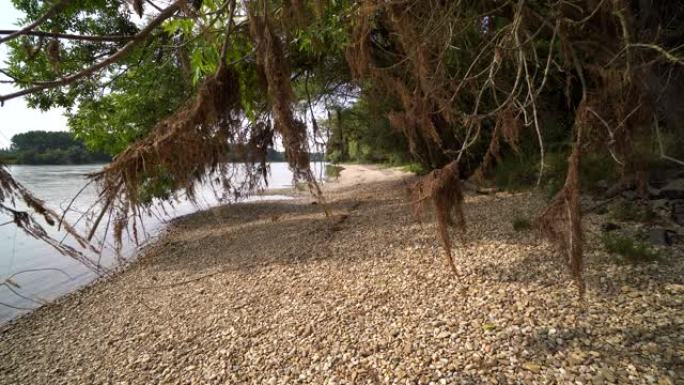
{"x": 50, "y": 147}
{"x": 362, "y": 133}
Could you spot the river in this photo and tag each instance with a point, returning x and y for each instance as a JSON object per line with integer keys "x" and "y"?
{"x": 39, "y": 274}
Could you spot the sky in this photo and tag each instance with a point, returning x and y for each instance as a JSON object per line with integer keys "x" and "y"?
{"x": 15, "y": 116}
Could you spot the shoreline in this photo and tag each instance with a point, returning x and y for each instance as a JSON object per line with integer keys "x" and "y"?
{"x": 141, "y": 251}
{"x": 273, "y": 292}
{"x": 53, "y": 275}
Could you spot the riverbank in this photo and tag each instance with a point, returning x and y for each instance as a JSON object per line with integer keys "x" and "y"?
{"x": 275, "y": 293}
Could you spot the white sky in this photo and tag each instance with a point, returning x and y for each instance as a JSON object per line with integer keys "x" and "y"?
{"x": 15, "y": 116}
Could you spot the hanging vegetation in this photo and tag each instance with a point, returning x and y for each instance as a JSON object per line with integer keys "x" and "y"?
{"x": 466, "y": 84}
{"x": 13, "y": 194}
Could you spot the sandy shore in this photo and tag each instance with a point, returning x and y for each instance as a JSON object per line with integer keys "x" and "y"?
{"x": 275, "y": 293}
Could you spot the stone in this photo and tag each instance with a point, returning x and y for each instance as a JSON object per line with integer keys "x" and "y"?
{"x": 532, "y": 367}
{"x": 674, "y": 288}
{"x": 673, "y": 190}
{"x": 678, "y": 212}
{"x": 443, "y": 335}
{"x": 660, "y": 236}
{"x": 608, "y": 374}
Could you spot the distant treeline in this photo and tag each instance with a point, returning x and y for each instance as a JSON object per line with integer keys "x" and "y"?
{"x": 50, "y": 147}
{"x": 59, "y": 147}
{"x": 279, "y": 156}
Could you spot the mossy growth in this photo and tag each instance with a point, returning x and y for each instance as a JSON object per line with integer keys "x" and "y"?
{"x": 630, "y": 249}
{"x": 629, "y": 211}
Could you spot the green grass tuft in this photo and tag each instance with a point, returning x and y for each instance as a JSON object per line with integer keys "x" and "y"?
{"x": 415, "y": 168}
{"x": 627, "y": 211}
{"x": 630, "y": 249}
{"x": 333, "y": 171}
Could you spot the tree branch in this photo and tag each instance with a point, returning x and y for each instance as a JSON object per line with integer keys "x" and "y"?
{"x": 23, "y": 31}
{"x": 68, "y": 36}
{"x": 123, "y": 51}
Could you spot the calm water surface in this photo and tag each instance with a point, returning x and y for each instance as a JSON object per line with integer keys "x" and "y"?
{"x": 41, "y": 273}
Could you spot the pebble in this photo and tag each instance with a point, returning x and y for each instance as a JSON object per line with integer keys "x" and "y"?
{"x": 292, "y": 301}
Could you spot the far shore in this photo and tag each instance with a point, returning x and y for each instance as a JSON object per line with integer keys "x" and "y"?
{"x": 275, "y": 292}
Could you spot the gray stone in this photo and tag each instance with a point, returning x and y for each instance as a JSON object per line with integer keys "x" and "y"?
{"x": 661, "y": 237}
{"x": 673, "y": 190}
{"x": 678, "y": 212}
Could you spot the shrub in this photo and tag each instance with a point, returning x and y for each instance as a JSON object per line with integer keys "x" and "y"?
{"x": 630, "y": 249}
{"x": 333, "y": 171}
{"x": 632, "y": 212}
{"x": 415, "y": 168}
{"x": 516, "y": 172}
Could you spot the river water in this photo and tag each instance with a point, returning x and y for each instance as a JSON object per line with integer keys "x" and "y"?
{"x": 39, "y": 274}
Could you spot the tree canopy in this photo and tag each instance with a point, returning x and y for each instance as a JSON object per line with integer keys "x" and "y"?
{"x": 173, "y": 87}
{"x": 52, "y": 147}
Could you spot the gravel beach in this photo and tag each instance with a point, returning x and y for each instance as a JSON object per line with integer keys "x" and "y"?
{"x": 276, "y": 293}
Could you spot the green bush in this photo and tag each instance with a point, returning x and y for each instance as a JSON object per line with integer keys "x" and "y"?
{"x": 630, "y": 249}
{"x": 333, "y": 171}
{"x": 632, "y": 212}
{"x": 518, "y": 172}
{"x": 415, "y": 168}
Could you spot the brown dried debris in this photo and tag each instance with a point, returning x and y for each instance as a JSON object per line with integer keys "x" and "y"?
{"x": 442, "y": 187}
{"x": 189, "y": 143}
{"x": 561, "y": 220}
{"x": 12, "y": 192}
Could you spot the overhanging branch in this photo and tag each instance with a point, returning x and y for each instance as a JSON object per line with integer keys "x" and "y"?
{"x": 123, "y": 51}
{"x": 23, "y": 31}
{"x": 67, "y": 36}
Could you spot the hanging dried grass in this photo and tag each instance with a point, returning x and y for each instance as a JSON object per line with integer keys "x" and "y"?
{"x": 510, "y": 127}
{"x": 189, "y": 145}
{"x": 561, "y": 220}
{"x": 12, "y": 193}
{"x": 443, "y": 188}
{"x": 488, "y": 160}
{"x": 507, "y": 127}
{"x": 274, "y": 66}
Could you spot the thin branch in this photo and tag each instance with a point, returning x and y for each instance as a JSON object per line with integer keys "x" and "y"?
{"x": 229, "y": 30}
{"x": 661, "y": 147}
{"x": 667, "y": 54}
{"x": 23, "y": 31}
{"x": 69, "y": 36}
{"x": 39, "y": 270}
{"x": 123, "y": 51}
{"x": 14, "y": 291}
{"x": 61, "y": 219}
